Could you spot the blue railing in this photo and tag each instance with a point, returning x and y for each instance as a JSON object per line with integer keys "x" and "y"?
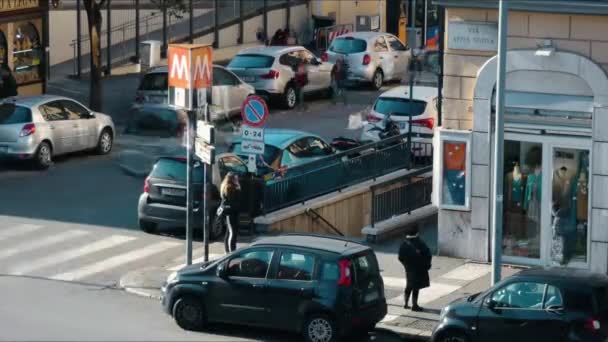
{"x": 402, "y": 195}
{"x": 344, "y": 169}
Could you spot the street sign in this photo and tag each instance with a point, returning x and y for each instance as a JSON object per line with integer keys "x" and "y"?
{"x": 252, "y": 147}
{"x": 190, "y": 73}
{"x": 254, "y": 111}
{"x": 205, "y": 132}
{"x": 252, "y": 133}
{"x": 204, "y": 151}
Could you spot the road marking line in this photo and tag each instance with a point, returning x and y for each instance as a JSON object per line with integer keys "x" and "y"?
{"x": 115, "y": 261}
{"x": 429, "y": 294}
{"x": 468, "y": 272}
{"x": 388, "y": 318}
{"x": 196, "y": 261}
{"x": 71, "y": 254}
{"x": 394, "y": 282}
{"x": 17, "y": 230}
{"x": 35, "y": 244}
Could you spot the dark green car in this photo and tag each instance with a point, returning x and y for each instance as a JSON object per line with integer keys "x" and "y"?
{"x": 321, "y": 287}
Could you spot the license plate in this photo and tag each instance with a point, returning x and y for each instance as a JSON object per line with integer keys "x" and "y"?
{"x": 3, "y": 149}
{"x": 370, "y": 297}
{"x": 248, "y": 78}
{"x": 402, "y": 125}
{"x": 173, "y": 192}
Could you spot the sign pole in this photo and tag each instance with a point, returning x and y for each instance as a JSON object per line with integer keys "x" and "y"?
{"x": 189, "y": 194}
{"x": 207, "y": 178}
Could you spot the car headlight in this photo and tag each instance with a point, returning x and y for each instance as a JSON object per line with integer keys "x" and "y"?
{"x": 172, "y": 278}
{"x": 443, "y": 312}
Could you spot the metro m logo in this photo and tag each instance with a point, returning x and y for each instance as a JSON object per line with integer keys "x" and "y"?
{"x": 202, "y": 59}
{"x": 179, "y": 67}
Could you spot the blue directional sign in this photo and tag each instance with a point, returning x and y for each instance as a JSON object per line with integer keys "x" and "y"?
{"x": 254, "y": 111}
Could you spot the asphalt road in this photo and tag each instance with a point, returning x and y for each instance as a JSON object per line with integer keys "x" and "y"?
{"x": 73, "y": 312}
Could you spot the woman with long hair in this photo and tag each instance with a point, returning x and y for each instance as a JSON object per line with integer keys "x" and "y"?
{"x": 230, "y": 192}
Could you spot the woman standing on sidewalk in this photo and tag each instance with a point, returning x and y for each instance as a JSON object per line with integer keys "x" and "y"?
{"x": 230, "y": 191}
{"x": 415, "y": 256}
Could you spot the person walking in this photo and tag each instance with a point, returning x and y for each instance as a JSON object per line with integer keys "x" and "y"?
{"x": 415, "y": 257}
{"x": 301, "y": 80}
{"x": 230, "y": 192}
{"x": 8, "y": 86}
{"x": 339, "y": 80}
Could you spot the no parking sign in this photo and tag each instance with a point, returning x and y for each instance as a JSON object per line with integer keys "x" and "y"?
{"x": 254, "y": 111}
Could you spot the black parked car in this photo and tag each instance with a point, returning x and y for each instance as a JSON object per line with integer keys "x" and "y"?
{"x": 319, "y": 286}
{"x": 542, "y": 304}
{"x": 163, "y": 200}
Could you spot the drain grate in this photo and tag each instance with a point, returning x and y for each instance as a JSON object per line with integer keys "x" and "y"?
{"x": 423, "y": 324}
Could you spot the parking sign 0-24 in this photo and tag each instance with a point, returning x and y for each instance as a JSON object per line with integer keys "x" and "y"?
{"x": 252, "y": 133}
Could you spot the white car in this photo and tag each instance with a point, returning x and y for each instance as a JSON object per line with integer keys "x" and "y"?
{"x": 229, "y": 91}
{"x": 396, "y": 102}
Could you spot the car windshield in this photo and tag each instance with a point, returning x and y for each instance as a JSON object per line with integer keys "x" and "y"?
{"x": 348, "y": 45}
{"x": 251, "y": 61}
{"x": 174, "y": 169}
{"x": 399, "y": 107}
{"x": 270, "y": 152}
{"x": 13, "y": 114}
{"x": 156, "y": 81}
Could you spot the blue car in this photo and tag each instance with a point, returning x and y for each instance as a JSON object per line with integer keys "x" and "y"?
{"x": 286, "y": 148}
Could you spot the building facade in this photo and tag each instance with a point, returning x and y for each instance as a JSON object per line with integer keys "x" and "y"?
{"x": 23, "y": 42}
{"x": 556, "y": 133}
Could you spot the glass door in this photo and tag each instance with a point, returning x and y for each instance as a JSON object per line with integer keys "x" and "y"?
{"x": 569, "y": 206}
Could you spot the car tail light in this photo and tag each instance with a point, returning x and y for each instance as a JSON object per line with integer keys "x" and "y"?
{"x": 366, "y": 59}
{"x": 592, "y": 324}
{"x": 270, "y": 75}
{"x": 428, "y": 123}
{"x": 27, "y": 129}
{"x": 345, "y": 277}
{"x": 324, "y": 57}
{"x": 147, "y": 184}
{"x": 373, "y": 118}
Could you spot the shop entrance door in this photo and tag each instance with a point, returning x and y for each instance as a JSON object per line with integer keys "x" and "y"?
{"x": 546, "y": 189}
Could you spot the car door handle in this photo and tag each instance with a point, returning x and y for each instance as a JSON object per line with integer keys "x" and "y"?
{"x": 306, "y": 292}
{"x": 75, "y": 126}
{"x": 396, "y": 56}
{"x": 51, "y": 127}
{"x": 381, "y": 57}
{"x": 258, "y": 286}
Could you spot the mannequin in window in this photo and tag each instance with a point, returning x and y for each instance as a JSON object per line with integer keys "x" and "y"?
{"x": 562, "y": 188}
{"x": 515, "y": 189}
{"x": 533, "y": 194}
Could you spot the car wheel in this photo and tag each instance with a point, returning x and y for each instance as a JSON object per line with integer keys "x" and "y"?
{"x": 104, "y": 144}
{"x": 44, "y": 156}
{"x": 320, "y": 328}
{"x": 188, "y": 313}
{"x": 290, "y": 97}
{"x": 147, "y": 226}
{"x": 378, "y": 79}
{"x": 217, "y": 229}
{"x": 453, "y": 336}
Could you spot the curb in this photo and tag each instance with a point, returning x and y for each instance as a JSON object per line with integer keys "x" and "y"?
{"x": 141, "y": 293}
{"x": 408, "y": 333}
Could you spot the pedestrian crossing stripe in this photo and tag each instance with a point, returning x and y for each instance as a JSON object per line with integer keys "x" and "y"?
{"x": 115, "y": 261}
{"x": 29, "y": 246}
{"x": 14, "y": 231}
{"x": 70, "y": 254}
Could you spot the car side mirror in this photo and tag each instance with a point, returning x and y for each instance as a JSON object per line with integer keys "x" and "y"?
{"x": 316, "y": 61}
{"x": 222, "y": 270}
{"x": 491, "y": 304}
{"x": 91, "y": 115}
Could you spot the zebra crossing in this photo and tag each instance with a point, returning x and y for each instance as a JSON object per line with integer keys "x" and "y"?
{"x": 83, "y": 254}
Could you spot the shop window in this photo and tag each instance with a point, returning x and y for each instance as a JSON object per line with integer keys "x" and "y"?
{"x": 522, "y": 193}
{"x": 3, "y": 49}
{"x": 27, "y": 54}
{"x": 455, "y": 187}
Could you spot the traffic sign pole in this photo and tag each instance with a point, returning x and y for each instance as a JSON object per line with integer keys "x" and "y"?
{"x": 189, "y": 199}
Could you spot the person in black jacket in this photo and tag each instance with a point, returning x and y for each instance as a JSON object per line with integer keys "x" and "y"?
{"x": 8, "y": 85}
{"x": 230, "y": 192}
{"x": 415, "y": 256}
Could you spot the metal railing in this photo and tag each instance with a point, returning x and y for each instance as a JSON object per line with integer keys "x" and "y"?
{"x": 401, "y": 195}
{"x": 315, "y": 216}
{"x": 344, "y": 169}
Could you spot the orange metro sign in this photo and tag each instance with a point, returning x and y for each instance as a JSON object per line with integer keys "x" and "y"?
{"x": 190, "y": 66}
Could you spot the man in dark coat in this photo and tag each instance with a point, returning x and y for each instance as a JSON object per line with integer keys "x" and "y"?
{"x": 8, "y": 84}
{"x": 415, "y": 256}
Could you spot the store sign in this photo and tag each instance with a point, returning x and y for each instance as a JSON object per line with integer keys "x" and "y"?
{"x": 15, "y": 5}
{"x": 464, "y": 35}
{"x": 190, "y": 74}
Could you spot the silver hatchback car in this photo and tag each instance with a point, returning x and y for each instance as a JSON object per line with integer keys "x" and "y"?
{"x": 40, "y": 127}
{"x": 269, "y": 69}
{"x": 371, "y": 57}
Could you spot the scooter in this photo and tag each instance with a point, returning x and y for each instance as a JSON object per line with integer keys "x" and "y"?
{"x": 389, "y": 129}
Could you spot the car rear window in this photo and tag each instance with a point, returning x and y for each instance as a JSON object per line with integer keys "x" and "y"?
{"x": 399, "y": 107}
{"x": 270, "y": 152}
{"x": 156, "y": 81}
{"x": 13, "y": 114}
{"x": 365, "y": 267}
{"x": 251, "y": 61}
{"x": 348, "y": 45}
{"x": 175, "y": 170}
